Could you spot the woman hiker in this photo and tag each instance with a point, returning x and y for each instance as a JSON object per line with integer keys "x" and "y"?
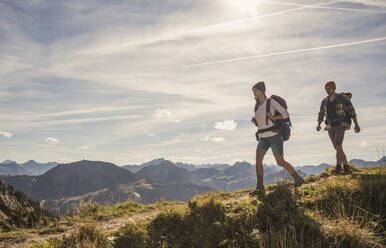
{"x": 269, "y": 139}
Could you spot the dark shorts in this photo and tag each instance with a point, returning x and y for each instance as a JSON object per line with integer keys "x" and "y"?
{"x": 336, "y": 135}
{"x": 275, "y": 142}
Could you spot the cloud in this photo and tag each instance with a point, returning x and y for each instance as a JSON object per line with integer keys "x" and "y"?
{"x": 162, "y": 114}
{"x": 290, "y": 52}
{"x": 166, "y": 114}
{"x": 214, "y": 139}
{"x": 334, "y": 8}
{"x": 226, "y": 125}
{"x": 377, "y": 3}
{"x": 52, "y": 140}
{"x": 87, "y": 111}
{"x": 218, "y": 139}
{"x": 105, "y": 75}
{"x": 84, "y": 147}
{"x": 6, "y": 134}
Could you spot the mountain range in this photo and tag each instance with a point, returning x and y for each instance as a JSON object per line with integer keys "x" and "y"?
{"x": 64, "y": 187}
{"x": 31, "y": 168}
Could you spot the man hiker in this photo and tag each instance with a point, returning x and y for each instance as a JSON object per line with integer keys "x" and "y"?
{"x": 265, "y": 118}
{"x": 338, "y": 110}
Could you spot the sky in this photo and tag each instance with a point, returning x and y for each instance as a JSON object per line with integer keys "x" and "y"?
{"x": 130, "y": 81}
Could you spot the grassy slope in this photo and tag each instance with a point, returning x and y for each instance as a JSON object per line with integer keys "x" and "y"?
{"x": 329, "y": 211}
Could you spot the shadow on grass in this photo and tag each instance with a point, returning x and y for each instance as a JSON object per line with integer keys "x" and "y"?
{"x": 276, "y": 221}
{"x": 335, "y": 213}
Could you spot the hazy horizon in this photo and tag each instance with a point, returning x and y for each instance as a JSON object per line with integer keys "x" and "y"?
{"x": 128, "y": 82}
{"x": 274, "y": 164}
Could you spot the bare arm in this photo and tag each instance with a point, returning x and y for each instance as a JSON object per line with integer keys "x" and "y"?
{"x": 356, "y": 128}
{"x": 320, "y": 116}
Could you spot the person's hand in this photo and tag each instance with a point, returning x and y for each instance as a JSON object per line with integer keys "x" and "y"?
{"x": 254, "y": 120}
{"x": 357, "y": 129}
{"x": 318, "y": 128}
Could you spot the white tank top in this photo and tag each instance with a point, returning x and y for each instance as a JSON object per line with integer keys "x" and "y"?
{"x": 261, "y": 115}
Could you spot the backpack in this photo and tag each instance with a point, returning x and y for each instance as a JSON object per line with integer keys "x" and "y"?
{"x": 279, "y": 126}
{"x": 347, "y": 117}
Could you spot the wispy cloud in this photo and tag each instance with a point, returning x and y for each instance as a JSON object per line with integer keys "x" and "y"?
{"x": 217, "y": 139}
{"x": 377, "y": 3}
{"x": 117, "y": 82}
{"x": 84, "y": 147}
{"x": 330, "y": 8}
{"x": 214, "y": 139}
{"x": 291, "y": 52}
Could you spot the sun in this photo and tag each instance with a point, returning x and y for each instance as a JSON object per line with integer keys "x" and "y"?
{"x": 245, "y": 6}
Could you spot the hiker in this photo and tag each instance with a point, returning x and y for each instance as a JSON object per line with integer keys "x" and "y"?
{"x": 338, "y": 110}
{"x": 268, "y": 136}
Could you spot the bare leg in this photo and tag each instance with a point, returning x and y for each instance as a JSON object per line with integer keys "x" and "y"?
{"x": 259, "y": 166}
{"x": 341, "y": 155}
{"x": 338, "y": 161}
{"x": 280, "y": 161}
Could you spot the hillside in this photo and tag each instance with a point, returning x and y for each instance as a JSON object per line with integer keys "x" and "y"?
{"x": 74, "y": 179}
{"x": 328, "y": 211}
{"x": 18, "y": 211}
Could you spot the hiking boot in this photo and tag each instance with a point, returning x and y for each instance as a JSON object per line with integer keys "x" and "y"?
{"x": 337, "y": 170}
{"x": 298, "y": 181}
{"x": 259, "y": 191}
{"x": 347, "y": 169}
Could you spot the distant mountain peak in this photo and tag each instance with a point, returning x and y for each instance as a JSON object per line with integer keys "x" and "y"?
{"x": 30, "y": 162}
{"x": 242, "y": 163}
{"x": 9, "y": 162}
{"x": 156, "y": 161}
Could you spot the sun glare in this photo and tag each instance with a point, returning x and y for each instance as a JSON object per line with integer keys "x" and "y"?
{"x": 246, "y": 6}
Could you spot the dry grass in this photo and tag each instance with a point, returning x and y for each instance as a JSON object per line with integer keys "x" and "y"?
{"x": 329, "y": 211}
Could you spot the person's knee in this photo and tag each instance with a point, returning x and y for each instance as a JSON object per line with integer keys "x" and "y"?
{"x": 339, "y": 148}
{"x": 259, "y": 161}
{"x": 280, "y": 161}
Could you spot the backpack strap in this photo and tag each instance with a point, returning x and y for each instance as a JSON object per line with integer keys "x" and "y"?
{"x": 273, "y": 128}
{"x": 267, "y": 110}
